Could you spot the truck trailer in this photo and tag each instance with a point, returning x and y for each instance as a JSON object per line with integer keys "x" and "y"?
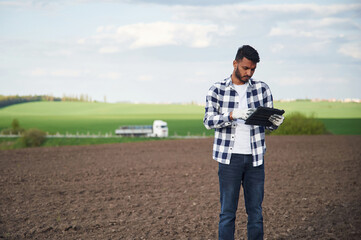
{"x": 158, "y": 129}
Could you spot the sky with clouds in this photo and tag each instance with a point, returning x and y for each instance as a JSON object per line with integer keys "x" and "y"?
{"x": 173, "y": 51}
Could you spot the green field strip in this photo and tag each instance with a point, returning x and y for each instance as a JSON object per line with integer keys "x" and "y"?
{"x": 343, "y": 126}
{"x": 98, "y": 109}
{"x": 104, "y": 118}
{"x": 322, "y": 109}
{"x": 94, "y": 125}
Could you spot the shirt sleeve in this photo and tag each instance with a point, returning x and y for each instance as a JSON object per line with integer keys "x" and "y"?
{"x": 268, "y": 99}
{"x": 212, "y": 117}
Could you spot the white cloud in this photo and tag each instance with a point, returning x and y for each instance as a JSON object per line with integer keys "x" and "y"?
{"x": 110, "y": 75}
{"x": 230, "y": 12}
{"x": 58, "y": 53}
{"x": 310, "y": 27}
{"x": 106, "y": 28}
{"x": 65, "y": 73}
{"x": 81, "y": 41}
{"x": 39, "y": 72}
{"x": 197, "y": 77}
{"x": 145, "y": 78}
{"x": 290, "y": 81}
{"x": 43, "y": 3}
{"x": 34, "y": 4}
{"x": 326, "y": 22}
{"x": 15, "y": 3}
{"x": 315, "y": 8}
{"x": 351, "y": 49}
{"x": 155, "y": 34}
{"x": 109, "y": 49}
{"x": 304, "y": 81}
{"x": 184, "y": 2}
{"x": 277, "y": 48}
{"x": 319, "y": 28}
{"x": 277, "y": 31}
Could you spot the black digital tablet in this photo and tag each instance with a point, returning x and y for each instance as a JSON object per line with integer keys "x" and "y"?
{"x": 261, "y": 116}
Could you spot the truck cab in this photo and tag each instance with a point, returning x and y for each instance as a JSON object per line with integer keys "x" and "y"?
{"x": 160, "y": 128}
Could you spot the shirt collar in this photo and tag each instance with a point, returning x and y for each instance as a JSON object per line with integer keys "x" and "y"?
{"x": 229, "y": 82}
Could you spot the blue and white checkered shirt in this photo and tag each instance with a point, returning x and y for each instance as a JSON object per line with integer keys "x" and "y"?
{"x": 221, "y": 100}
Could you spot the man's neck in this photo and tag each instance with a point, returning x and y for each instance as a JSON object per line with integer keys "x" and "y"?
{"x": 236, "y": 81}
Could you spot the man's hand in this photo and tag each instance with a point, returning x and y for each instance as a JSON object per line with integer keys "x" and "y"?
{"x": 242, "y": 113}
{"x": 276, "y": 119}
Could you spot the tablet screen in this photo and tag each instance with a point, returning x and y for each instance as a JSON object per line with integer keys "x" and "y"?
{"x": 261, "y": 116}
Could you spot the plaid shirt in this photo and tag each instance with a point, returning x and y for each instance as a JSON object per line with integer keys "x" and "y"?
{"x": 220, "y": 102}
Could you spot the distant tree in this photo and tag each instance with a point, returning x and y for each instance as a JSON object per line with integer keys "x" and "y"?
{"x": 15, "y": 99}
{"x": 15, "y": 124}
{"x": 15, "y": 128}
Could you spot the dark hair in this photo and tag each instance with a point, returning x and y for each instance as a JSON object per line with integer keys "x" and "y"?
{"x": 248, "y": 52}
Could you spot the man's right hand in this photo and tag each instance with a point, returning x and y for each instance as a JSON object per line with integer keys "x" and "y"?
{"x": 242, "y": 113}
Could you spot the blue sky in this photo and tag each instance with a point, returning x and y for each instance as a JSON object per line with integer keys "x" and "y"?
{"x": 173, "y": 51}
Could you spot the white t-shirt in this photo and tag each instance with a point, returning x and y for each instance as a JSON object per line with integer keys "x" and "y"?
{"x": 242, "y": 140}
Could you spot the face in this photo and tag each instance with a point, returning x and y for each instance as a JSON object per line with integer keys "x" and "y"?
{"x": 244, "y": 69}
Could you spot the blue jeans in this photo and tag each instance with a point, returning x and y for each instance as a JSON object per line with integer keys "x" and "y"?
{"x": 241, "y": 172}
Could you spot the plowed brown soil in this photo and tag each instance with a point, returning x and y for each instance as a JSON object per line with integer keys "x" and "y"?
{"x": 169, "y": 190}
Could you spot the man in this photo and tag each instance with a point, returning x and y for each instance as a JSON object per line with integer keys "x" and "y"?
{"x": 239, "y": 148}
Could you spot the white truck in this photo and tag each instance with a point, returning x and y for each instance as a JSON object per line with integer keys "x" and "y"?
{"x": 159, "y": 129}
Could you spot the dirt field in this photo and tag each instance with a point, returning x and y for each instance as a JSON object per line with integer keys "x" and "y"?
{"x": 169, "y": 190}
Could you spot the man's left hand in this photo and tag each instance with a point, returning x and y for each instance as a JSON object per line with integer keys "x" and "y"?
{"x": 276, "y": 119}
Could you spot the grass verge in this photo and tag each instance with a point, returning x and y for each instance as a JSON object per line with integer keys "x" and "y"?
{"x": 15, "y": 143}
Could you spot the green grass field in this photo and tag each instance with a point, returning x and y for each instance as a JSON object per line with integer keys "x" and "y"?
{"x": 82, "y": 117}
{"x": 339, "y": 118}
{"x": 323, "y": 110}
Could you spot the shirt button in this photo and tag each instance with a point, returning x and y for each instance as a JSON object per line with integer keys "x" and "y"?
{"x": 230, "y": 148}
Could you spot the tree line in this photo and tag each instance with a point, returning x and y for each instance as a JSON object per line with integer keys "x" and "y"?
{"x": 15, "y": 99}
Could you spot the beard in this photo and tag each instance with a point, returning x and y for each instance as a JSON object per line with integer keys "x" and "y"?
{"x": 239, "y": 76}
